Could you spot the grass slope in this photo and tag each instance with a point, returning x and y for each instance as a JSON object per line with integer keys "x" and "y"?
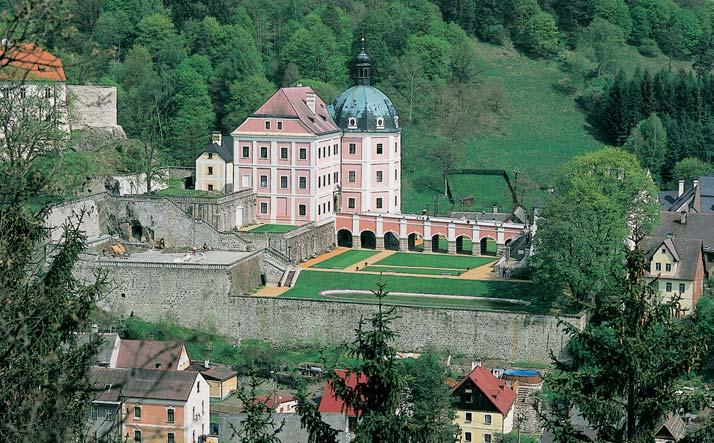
{"x": 310, "y": 283}
{"x": 433, "y": 261}
{"x": 345, "y": 259}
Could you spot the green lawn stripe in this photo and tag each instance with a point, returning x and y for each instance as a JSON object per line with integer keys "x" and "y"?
{"x": 347, "y": 258}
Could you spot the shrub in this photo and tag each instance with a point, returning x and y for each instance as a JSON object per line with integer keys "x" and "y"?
{"x": 648, "y": 48}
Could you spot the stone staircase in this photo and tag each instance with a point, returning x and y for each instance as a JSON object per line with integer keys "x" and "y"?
{"x": 526, "y": 412}
{"x": 289, "y": 277}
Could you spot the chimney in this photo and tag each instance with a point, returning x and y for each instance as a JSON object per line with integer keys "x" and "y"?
{"x": 683, "y": 217}
{"x": 205, "y": 364}
{"x": 495, "y": 209}
{"x": 680, "y": 191}
{"x": 95, "y": 328}
{"x": 216, "y": 137}
{"x": 310, "y": 100}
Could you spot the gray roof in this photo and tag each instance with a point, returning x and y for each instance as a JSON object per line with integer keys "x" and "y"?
{"x": 214, "y": 371}
{"x": 107, "y": 349}
{"x": 113, "y": 384}
{"x": 686, "y": 252}
{"x": 291, "y": 432}
{"x": 706, "y": 191}
{"x": 365, "y": 103}
{"x": 669, "y": 201}
{"x": 696, "y": 227}
{"x": 225, "y": 150}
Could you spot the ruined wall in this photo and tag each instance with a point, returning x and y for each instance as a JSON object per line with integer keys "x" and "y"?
{"x": 93, "y": 107}
{"x": 69, "y": 210}
{"x": 194, "y": 297}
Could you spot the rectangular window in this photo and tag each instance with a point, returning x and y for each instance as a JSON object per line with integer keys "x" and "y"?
{"x": 284, "y": 181}
{"x": 210, "y": 155}
{"x": 137, "y": 412}
{"x": 379, "y": 176}
{"x": 395, "y": 200}
{"x": 170, "y": 438}
{"x": 379, "y": 203}
{"x": 329, "y": 206}
{"x": 245, "y": 181}
{"x": 48, "y": 92}
{"x": 325, "y": 152}
{"x": 137, "y": 436}
{"x": 668, "y": 267}
{"x": 380, "y": 148}
{"x": 396, "y": 176}
{"x": 210, "y": 170}
{"x": 302, "y": 210}
{"x": 267, "y": 125}
{"x": 396, "y": 146}
{"x": 23, "y": 92}
{"x": 467, "y": 436}
{"x": 323, "y": 209}
{"x": 334, "y": 148}
{"x": 302, "y": 182}
{"x": 351, "y": 203}
{"x": 319, "y": 181}
{"x": 169, "y": 416}
{"x": 658, "y": 266}
{"x": 280, "y": 126}
{"x": 329, "y": 179}
{"x": 682, "y": 287}
{"x": 246, "y": 151}
{"x": 263, "y": 152}
{"x": 303, "y": 154}
{"x": 335, "y": 177}
{"x": 468, "y": 396}
{"x": 351, "y": 176}
{"x": 668, "y": 287}
{"x": 263, "y": 181}
{"x": 352, "y": 148}
{"x": 210, "y": 187}
{"x": 263, "y": 208}
{"x": 487, "y": 419}
{"x": 486, "y": 438}
{"x": 319, "y": 153}
{"x": 319, "y": 210}
{"x": 284, "y": 153}
{"x": 468, "y": 418}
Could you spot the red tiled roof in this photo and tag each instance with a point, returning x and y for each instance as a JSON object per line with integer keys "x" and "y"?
{"x": 149, "y": 354}
{"x": 31, "y": 62}
{"x": 291, "y": 102}
{"x": 329, "y": 403}
{"x": 272, "y": 401}
{"x": 497, "y": 392}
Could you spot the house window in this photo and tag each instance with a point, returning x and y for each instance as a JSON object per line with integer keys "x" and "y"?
{"x": 352, "y": 122}
{"x": 319, "y": 210}
{"x": 283, "y": 181}
{"x": 486, "y": 438}
{"x": 682, "y": 287}
{"x": 267, "y": 125}
{"x": 48, "y": 93}
{"x": 137, "y": 412}
{"x": 137, "y": 436}
{"x": 351, "y": 203}
{"x": 319, "y": 153}
{"x": 329, "y": 206}
{"x": 325, "y": 151}
{"x": 379, "y": 203}
{"x": 210, "y": 188}
{"x": 380, "y": 123}
{"x": 303, "y": 154}
{"x": 246, "y": 151}
{"x": 23, "y": 92}
{"x": 170, "y": 438}
{"x": 664, "y": 251}
{"x": 335, "y": 177}
{"x": 210, "y": 170}
{"x": 395, "y": 174}
{"x": 319, "y": 181}
{"x": 395, "y": 200}
{"x": 263, "y": 181}
{"x": 467, "y": 436}
{"x": 469, "y": 395}
{"x": 280, "y": 126}
{"x": 203, "y": 407}
{"x": 379, "y": 176}
{"x": 263, "y": 208}
{"x": 396, "y": 121}
{"x": 380, "y": 148}
{"x": 302, "y": 182}
{"x": 468, "y": 417}
{"x": 487, "y": 419}
{"x": 170, "y": 415}
{"x": 668, "y": 287}
{"x": 396, "y": 146}
{"x": 335, "y": 149}
{"x": 323, "y": 208}
{"x": 302, "y": 210}
{"x": 658, "y": 266}
{"x": 210, "y": 155}
{"x": 284, "y": 153}
{"x": 351, "y": 176}
{"x": 198, "y": 387}
{"x": 263, "y": 152}
{"x": 668, "y": 267}
{"x": 329, "y": 181}
{"x": 352, "y": 148}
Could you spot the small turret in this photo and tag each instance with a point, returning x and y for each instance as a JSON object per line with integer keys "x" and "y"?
{"x": 362, "y": 66}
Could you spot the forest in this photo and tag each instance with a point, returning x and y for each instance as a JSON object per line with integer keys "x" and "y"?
{"x": 183, "y": 69}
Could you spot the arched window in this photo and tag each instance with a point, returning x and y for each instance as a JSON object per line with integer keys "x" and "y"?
{"x": 352, "y": 122}
{"x": 380, "y": 122}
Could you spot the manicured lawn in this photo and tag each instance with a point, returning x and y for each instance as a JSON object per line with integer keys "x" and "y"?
{"x": 410, "y": 270}
{"x": 423, "y": 260}
{"x": 274, "y": 228}
{"x": 310, "y": 283}
{"x": 347, "y": 258}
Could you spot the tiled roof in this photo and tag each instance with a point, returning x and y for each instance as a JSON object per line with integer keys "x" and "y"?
{"x": 31, "y": 63}
{"x": 501, "y": 396}
{"x": 113, "y": 384}
{"x": 225, "y": 149}
{"x": 110, "y": 345}
{"x": 149, "y": 354}
{"x": 214, "y": 371}
{"x": 685, "y": 252}
{"x": 329, "y": 403}
{"x": 292, "y": 102}
{"x": 673, "y": 427}
{"x": 273, "y": 401}
{"x": 696, "y": 227}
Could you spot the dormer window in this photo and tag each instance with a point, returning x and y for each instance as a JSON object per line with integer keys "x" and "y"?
{"x": 396, "y": 121}
{"x": 380, "y": 123}
{"x": 352, "y": 123}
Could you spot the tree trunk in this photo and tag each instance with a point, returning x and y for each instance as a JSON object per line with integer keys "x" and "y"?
{"x": 630, "y": 435}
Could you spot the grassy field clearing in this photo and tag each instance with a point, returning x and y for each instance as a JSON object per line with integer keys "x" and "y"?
{"x": 347, "y": 258}
{"x": 433, "y": 261}
{"x": 310, "y": 283}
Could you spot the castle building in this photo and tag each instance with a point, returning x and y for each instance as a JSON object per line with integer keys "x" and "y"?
{"x": 306, "y": 160}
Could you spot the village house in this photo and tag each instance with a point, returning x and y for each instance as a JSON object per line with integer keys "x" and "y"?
{"x": 697, "y": 199}
{"x": 280, "y": 404}
{"x": 221, "y": 378}
{"x": 150, "y": 405}
{"x": 485, "y": 406}
{"x": 152, "y": 354}
{"x": 331, "y": 404}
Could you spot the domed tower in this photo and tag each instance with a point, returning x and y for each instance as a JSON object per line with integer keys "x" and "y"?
{"x": 371, "y": 145}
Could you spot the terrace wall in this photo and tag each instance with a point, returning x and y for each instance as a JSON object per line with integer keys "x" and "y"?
{"x": 155, "y": 292}
{"x": 299, "y": 244}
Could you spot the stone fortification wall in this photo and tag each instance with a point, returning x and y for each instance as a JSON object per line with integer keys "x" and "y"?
{"x": 224, "y": 213}
{"x": 196, "y": 296}
{"x": 299, "y": 244}
{"x": 69, "y": 210}
{"x": 93, "y": 107}
{"x": 143, "y": 218}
